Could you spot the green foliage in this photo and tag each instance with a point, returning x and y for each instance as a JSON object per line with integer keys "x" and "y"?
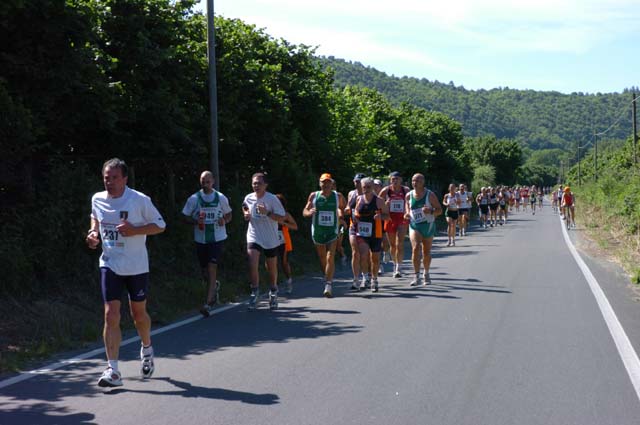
{"x": 505, "y": 156}
{"x": 483, "y": 176}
{"x": 537, "y": 120}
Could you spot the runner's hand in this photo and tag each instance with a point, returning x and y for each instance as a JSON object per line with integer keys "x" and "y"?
{"x": 93, "y": 240}
{"x": 126, "y": 229}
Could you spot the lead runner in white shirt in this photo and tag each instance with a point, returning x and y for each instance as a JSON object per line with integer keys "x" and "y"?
{"x": 121, "y": 218}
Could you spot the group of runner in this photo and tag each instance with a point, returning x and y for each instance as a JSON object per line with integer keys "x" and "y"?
{"x": 376, "y": 218}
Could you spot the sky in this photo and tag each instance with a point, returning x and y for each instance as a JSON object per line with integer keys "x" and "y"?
{"x": 589, "y": 46}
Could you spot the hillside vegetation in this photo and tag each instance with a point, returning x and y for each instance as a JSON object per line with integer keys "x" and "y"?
{"x": 537, "y": 120}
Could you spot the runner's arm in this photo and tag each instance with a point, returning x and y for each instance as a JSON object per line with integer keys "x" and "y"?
{"x": 435, "y": 204}
{"x": 290, "y": 222}
{"x": 308, "y": 210}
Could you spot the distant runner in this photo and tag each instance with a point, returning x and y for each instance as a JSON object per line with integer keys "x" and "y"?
{"x": 263, "y": 211}
{"x": 324, "y": 208}
{"x": 452, "y": 201}
{"x": 421, "y": 208}
{"x": 208, "y": 212}
{"x": 286, "y": 244}
{"x": 368, "y": 214}
{"x": 394, "y": 196}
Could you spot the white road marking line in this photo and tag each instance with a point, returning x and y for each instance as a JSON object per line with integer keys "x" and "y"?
{"x": 625, "y": 349}
{"x": 46, "y": 369}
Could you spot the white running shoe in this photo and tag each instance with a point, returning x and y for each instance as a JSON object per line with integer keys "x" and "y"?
{"x": 380, "y": 269}
{"x": 416, "y": 282}
{"x": 273, "y": 300}
{"x": 110, "y": 378}
{"x": 427, "y": 279}
{"x": 327, "y": 291}
{"x": 206, "y": 310}
{"x": 374, "y": 285}
{"x": 397, "y": 274}
{"x": 288, "y": 287}
{"x": 253, "y": 299}
{"x": 146, "y": 364}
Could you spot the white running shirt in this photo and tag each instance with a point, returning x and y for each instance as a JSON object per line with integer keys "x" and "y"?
{"x": 125, "y": 256}
{"x": 262, "y": 229}
{"x": 192, "y": 209}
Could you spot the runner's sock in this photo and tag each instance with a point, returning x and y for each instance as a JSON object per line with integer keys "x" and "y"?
{"x": 113, "y": 364}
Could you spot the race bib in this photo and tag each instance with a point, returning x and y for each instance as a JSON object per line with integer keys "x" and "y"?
{"x": 483, "y": 201}
{"x": 365, "y": 229}
{"x": 396, "y": 205}
{"x": 209, "y": 215}
{"x": 255, "y": 213}
{"x": 280, "y": 237}
{"x": 111, "y": 237}
{"x": 418, "y": 216}
{"x": 326, "y": 218}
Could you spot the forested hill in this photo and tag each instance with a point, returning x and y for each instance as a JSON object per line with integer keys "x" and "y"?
{"x": 540, "y": 120}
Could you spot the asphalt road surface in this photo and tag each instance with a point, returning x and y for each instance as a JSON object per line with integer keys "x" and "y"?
{"x": 509, "y": 333}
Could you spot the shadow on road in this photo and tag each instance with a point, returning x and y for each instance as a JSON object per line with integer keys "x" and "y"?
{"x": 193, "y": 391}
{"x": 43, "y": 413}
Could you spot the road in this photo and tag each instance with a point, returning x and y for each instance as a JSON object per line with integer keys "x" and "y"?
{"x": 509, "y": 333}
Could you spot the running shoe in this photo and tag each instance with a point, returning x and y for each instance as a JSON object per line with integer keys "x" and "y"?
{"x": 146, "y": 364}
{"x": 397, "y": 274}
{"x": 288, "y": 287}
{"x": 363, "y": 284}
{"x": 427, "y": 279}
{"x": 206, "y": 310}
{"x": 273, "y": 300}
{"x": 216, "y": 294}
{"x": 354, "y": 285}
{"x": 380, "y": 269}
{"x": 374, "y": 286}
{"x": 415, "y": 282}
{"x": 110, "y": 378}
{"x": 327, "y": 291}
{"x": 253, "y": 299}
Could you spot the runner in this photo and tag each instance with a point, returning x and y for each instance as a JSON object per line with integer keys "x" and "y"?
{"x": 560, "y": 193}
{"x": 516, "y": 193}
{"x": 493, "y": 207}
{"x": 121, "y": 218}
{"x": 452, "y": 201}
{"x": 421, "y": 208}
{"x": 369, "y": 212}
{"x": 568, "y": 205}
{"x": 465, "y": 207}
{"x": 503, "y": 202}
{"x": 324, "y": 208}
{"x": 342, "y": 225}
{"x": 483, "y": 204}
{"x": 377, "y": 188}
{"x": 394, "y": 196}
{"x": 524, "y": 192}
{"x": 349, "y": 210}
{"x": 208, "y": 212}
{"x": 286, "y": 245}
{"x": 554, "y": 201}
{"x": 533, "y": 193}
{"x": 263, "y": 211}
{"x": 540, "y": 198}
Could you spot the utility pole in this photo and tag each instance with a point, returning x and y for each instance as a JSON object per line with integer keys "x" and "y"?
{"x": 213, "y": 93}
{"x": 579, "y": 179}
{"x": 635, "y": 134}
{"x": 595, "y": 156}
